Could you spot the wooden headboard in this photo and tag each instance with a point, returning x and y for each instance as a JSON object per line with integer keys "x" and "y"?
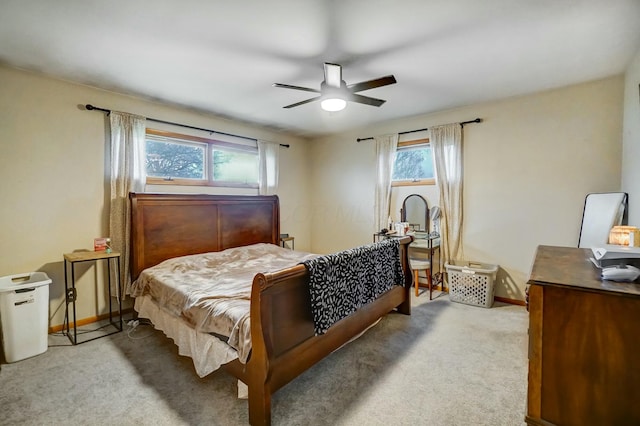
{"x": 170, "y": 225}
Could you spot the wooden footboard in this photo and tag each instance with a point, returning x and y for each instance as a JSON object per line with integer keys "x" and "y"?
{"x": 282, "y": 332}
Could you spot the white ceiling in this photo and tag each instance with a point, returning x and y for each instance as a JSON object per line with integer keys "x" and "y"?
{"x": 223, "y": 56}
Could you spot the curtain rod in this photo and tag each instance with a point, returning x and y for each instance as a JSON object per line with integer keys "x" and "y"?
{"x": 90, "y": 107}
{"x": 477, "y": 120}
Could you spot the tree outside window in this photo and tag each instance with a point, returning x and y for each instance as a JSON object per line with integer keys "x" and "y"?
{"x": 177, "y": 159}
{"x": 174, "y": 160}
{"x": 413, "y": 164}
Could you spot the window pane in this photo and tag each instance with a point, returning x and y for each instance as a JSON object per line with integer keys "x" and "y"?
{"x": 175, "y": 160}
{"x": 234, "y": 166}
{"x": 413, "y": 164}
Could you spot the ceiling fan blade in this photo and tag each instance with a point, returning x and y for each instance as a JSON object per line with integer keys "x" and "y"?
{"x": 334, "y": 87}
{"x": 332, "y": 75}
{"x": 365, "y": 100}
{"x": 372, "y": 84}
{"x": 303, "y": 102}
{"x": 288, "y": 86}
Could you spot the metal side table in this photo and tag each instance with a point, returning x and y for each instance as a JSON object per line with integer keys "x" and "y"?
{"x": 71, "y": 293}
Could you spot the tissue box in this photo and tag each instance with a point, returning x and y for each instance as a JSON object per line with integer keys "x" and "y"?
{"x": 625, "y": 236}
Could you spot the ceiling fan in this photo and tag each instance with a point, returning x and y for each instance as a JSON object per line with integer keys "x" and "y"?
{"x": 334, "y": 92}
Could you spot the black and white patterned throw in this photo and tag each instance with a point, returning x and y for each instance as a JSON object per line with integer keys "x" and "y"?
{"x": 342, "y": 282}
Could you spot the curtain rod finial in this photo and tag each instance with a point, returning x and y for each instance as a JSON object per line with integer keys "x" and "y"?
{"x": 89, "y": 107}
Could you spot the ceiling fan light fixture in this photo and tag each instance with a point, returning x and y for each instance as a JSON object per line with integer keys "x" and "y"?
{"x": 334, "y": 92}
{"x": 333, "y": 104}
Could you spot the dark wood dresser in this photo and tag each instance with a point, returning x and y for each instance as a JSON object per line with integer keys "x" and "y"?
{"x": 584, "y": 343}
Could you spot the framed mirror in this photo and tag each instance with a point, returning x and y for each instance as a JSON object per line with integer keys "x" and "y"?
{"x": 415, "y": 211}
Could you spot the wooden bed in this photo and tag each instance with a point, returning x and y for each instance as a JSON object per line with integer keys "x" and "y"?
{"x": 282, "y": 330}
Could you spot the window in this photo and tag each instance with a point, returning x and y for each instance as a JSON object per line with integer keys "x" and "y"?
{"x": 178, "y": 159}
{"x": 413, "y": 164}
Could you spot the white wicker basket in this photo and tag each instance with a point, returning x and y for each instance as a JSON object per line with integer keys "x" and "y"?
{"x": 471, "y": 282}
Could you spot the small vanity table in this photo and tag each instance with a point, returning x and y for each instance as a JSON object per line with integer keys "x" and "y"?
{"x": 424, "y": 247}
{"x": 427, "y": 246}
{"x": 415, "y": 211}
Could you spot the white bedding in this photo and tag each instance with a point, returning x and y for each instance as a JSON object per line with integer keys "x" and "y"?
{"x": 211, "y": 292}
{"x": 207, "y": 351}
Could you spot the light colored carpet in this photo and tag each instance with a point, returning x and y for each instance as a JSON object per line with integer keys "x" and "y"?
{"x": 446, "y": 364}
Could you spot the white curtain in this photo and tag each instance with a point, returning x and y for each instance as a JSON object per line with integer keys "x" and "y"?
{"x": 127, "y": 175}
{"x": 386, "y": 146}
{"x": 269, "y": 159}
{"x": 446, "y": 145}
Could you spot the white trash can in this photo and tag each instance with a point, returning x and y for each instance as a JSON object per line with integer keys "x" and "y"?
{"x": 24, "y": 311}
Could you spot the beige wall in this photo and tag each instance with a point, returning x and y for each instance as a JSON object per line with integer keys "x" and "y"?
{"x": 527, "y": 169}
{"x": 53, "y": 178}
{"x": 631, "y": 140}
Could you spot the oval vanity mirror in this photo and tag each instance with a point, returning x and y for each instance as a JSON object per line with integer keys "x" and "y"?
{"x": 415, "y": 211}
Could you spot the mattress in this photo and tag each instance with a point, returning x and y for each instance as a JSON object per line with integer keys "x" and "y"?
{"x": 211, "y": 292}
